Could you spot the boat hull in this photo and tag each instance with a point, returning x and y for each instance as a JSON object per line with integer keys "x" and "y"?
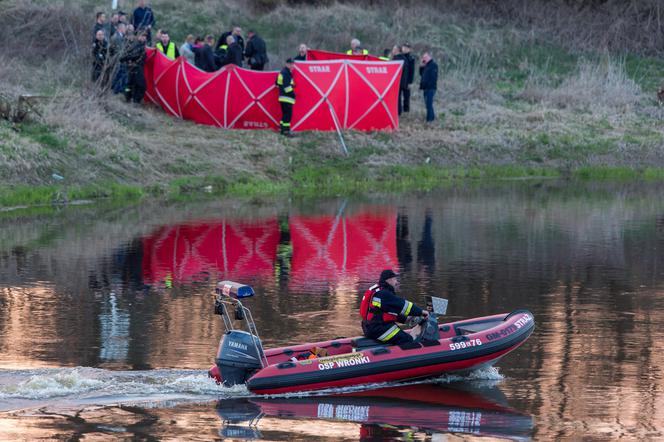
{"x": 464, "y": 346}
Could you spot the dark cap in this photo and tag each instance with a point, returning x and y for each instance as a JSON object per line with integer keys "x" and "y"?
{"x": 406, "y": 45}
{"x": 289, "y": 60}
{"x": 387, "y": 274}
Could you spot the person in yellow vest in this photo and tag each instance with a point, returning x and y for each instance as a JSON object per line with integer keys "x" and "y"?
{"x": 167, "y": 46}
{"x": 356, "y": 48}
{"x": 386, "y": 55}
{"x": 286, "y": 96}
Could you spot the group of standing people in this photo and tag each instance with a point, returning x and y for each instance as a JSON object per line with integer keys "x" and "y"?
{"x": 210, "y": 55}
{"x": 118, "y": 50}
{"x": 118, "y": 53}
{"x": 428, "y": 70}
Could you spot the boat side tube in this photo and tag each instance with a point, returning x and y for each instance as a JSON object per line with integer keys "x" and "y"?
{"x": 468, "y": 345}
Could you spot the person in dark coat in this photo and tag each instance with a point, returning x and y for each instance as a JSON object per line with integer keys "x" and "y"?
{"x": 255, "y": 52}
{"x": 429, "y": 83}
{"x": 134, "y": 57}
{"x": 116, "y": 49}
{"x": 143, "y": 20}
{"x": 236, "y": 32}
{"x": 397, "y": 55}
{"x": 113, "y": 25}
{"x": 383, "y": 309}
{"x": 99, "y": 56}
{"x": 204, "y": 54}
{"x": 301, "y": 53}
{"x": 100, "y": 25}
{"x": 409, "y": 73}
{"x": 234, "y": 54}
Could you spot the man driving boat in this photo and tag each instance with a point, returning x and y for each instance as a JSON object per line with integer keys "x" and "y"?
{"x": 381, "y": 309}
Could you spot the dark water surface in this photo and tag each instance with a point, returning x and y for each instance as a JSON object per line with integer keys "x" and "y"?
{"x": 107, "y": 327}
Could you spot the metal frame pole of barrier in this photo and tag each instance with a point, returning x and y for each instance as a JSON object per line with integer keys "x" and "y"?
{"x": 336, "y": 125}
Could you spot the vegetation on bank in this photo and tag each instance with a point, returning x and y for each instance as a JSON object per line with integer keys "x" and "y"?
{"x": 514, "y": 101}
{"x": 319, "y": 181}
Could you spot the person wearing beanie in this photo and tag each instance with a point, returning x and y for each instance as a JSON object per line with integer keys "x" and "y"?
{"x": 381, "y": 309}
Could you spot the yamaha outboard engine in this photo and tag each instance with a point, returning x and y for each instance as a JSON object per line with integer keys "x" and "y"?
{"x": 240, "y": 352}
{"x": 237, "y": 358}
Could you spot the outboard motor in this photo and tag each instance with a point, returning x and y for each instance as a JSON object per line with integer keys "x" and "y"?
{"x": 240, "y": 352}
{"x": 430, "y": 331}
{"x": 237, "y": 358}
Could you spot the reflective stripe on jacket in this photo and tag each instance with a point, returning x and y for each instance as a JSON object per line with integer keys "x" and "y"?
{"x": 286, "y": 86}
{"x": 383, "y": 306}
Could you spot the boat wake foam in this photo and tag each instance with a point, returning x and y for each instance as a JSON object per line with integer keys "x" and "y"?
{"x": 59, "y": 388}
{"x": 67, "y": 387}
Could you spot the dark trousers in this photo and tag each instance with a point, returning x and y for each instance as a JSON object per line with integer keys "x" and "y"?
{"x": 136, "y": 86}
{"x": 404, "y": 100}
{"x": 96, "y": 72}
{"x": 100, "y": 74}
{"x": 286, "y": 115}
{"x": 120, "y": 79}
{"x": 428, "y": 101}
{"x": 374, "y": 330}
{"x": 257, "y": 67}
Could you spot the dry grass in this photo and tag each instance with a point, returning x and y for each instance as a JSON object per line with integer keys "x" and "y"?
{"x": 479, "y": 122}
{"x": 580, "y": 25}
{"x": 603, "y": 83}
{"x": 595, "y": 84}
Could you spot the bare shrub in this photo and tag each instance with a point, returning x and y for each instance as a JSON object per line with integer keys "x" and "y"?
{"x": 604, "y": 83}
{"x": 79, "y": 116}
{"x": 469, "y": 79}
{"x": 12, "y": 76}
{"x": 45, "y": 29}
{"x": 616, "y": 25}
{"x": 538, "y": 82}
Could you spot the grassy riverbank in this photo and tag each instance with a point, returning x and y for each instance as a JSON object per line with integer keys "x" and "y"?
{"x": 513, "y": 103}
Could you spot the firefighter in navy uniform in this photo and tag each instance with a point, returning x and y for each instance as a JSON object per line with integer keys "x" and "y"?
{"x": 381, "y": 309}
{"x": 286, "y": 96}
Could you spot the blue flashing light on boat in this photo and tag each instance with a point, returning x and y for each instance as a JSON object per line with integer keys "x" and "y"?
{"x": 234, "y": 289}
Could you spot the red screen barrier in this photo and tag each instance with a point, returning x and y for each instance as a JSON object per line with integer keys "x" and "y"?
{"x": 331, "y": 95}
{"x": 318, "y": 55}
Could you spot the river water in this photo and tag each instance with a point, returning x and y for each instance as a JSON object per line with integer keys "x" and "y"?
{"x": 107, "y": 327}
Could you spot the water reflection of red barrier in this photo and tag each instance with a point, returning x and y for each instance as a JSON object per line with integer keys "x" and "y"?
{"x": 234, "y": 249}
{"x": 326, "y": 247}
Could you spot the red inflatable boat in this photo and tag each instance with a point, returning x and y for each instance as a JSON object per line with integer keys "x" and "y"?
{"x": 463, "y": 346}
